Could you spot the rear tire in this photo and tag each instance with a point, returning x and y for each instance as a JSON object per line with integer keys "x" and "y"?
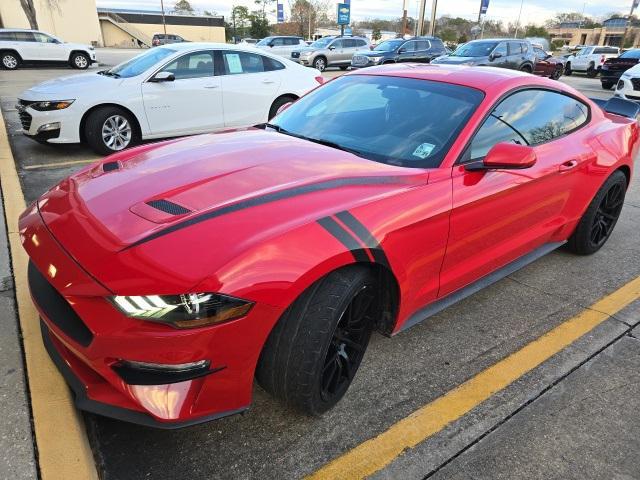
{"x": 80, "y": 61}
{"x": 557, "y": 73}
{"x": 110, "y": 129}
{"x": 315, "y": 349}
{"x": 591, "y": 71}
{"x": 597, "y": 223}
{"x": 10, "y": 60}
{"x": 278, "y": 104}
{"x": 526, "y": 69}
{"x": 607, "y": 85}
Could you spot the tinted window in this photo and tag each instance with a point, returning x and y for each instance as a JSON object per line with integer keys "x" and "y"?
{"x": 290, "y": 41}
{"x": 361, "y": 43}
{"x": 349, "y": 43}
{"x": 242, "y": 62}
{"x": 399, "y": 121}
{"x": 476, "y": 49}
{"x": 627, "y": 54}
{"x": 7, "y": 36}
{"x": 605, "y": 50}
{"x": 25, "y": 37}
{"x": 264, "y": 42}
{"x": 422, "y": 45}
{"x": 337, "y": 44}
{"x": 529, "y": 117}
{"x": 540, "y": 54}
{"x": 192, "y": 65}
{"x": 270, "y": 64}
{"x": 501, "y": 49}
{"x": 525, "y": 47}
{"x": 388, "y": 45}
{"x": 515, "y": 48}
{"x": 141, "y": 63}
{"x": 409, "y": 47}
{"x": 278, "y": 42}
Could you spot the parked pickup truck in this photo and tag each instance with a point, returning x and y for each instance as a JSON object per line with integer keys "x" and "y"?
{"x": 589, "y": 60}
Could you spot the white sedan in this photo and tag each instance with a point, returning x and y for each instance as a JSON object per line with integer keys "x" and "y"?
{"x": 628, "y": 86}
{"x": 174, "y": 90}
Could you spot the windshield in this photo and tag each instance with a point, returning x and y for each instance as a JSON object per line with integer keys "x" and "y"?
{"x": 631, "y": 54}
{"x": 389, "y": 45}
{"x": 264, "y": 42}
{"x": 398, "y": 121}
{"x": 323, "y": 42}
{"x": 475, "y": 49}
{"x": 140, "y": 63}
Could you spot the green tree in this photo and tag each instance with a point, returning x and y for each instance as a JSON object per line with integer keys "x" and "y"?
{"x": 240, "y": 21}
{"x": 376, "y": 34}
{"x": 259, "y": 27}
{"x": 183, "y": 7}
{"x": 535, "y": 31}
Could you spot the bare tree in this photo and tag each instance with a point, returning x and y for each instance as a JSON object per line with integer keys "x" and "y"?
{"x": 30, "y": 11}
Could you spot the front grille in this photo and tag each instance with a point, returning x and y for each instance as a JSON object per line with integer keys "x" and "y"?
{"x": 295, "y": 54}
{"x": 56, "y": 308}
{"x": 636, "y": 83}
{"x": 359, "y": 60}
{"x": 168, "y": 207}
{"x": 25, "y": 118}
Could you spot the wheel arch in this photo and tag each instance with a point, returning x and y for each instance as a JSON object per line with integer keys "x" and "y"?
{"x": 627, "y": 173}
{"x": 73, "y": 52}
{"x": 137, "y": 125}
{"x": 323, "y": 56}
{"x": 11, "y": 50}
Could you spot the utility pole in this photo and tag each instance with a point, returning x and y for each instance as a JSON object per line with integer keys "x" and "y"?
{"x": 432, "y": 26}
{"x": 164, "y": 22}
{"x": 515, "y": 34}
{"x": 420, "y": 21}
{"x": 404, "y": 18}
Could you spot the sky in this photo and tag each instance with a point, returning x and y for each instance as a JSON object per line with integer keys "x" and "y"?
{"x": 533, "y": 11}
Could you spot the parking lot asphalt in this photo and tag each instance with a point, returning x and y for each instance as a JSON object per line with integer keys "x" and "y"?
{"x": 567, "y": 418}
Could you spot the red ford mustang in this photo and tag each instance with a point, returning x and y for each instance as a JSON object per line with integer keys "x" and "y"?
{"x": 171, "y": 275}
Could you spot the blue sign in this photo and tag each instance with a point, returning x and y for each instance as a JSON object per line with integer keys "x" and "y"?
{"x": 484, "y": 6}
{"x": 280, "y": 9}
{"x": 348, "y": 31}
{"x": 344, "y": 14}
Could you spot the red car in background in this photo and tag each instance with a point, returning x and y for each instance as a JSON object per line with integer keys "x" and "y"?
{"x": 547, "y": 65}
{"x": 171, "y": 275}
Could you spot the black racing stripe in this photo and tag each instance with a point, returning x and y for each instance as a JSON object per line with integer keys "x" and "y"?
{"x": 267, "y": 198}
{"x": 365, "y": 235}
{"x": 334, "y": 228}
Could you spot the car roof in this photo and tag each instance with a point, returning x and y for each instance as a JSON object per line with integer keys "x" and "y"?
{"x": 480, "y": 78}
{"x": 187, "y": 46}
{"x": 19, "y": 30}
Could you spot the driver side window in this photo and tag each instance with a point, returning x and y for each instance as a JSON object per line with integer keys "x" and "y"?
{"x": 192, "y": 65}
{"x": 501, "y": 49}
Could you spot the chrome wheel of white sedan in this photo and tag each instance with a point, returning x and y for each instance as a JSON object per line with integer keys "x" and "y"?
{"x": 116, "y": 132}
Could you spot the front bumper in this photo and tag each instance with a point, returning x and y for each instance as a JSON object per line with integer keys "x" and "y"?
{"x": 87, "y": 337}
{"x": 625, "y": 89}
{"x": 33, "y": 120}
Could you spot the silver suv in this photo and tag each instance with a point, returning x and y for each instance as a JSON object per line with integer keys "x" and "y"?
{"x": 330, "y": 51}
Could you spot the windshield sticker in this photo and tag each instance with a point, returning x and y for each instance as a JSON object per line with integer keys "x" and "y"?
{"x": 424, "y": 150}
{"x": 233, "y": 62}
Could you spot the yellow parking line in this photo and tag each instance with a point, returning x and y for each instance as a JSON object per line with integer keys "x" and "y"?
{"x": 58, "y": 164}
{"x": 376, "y": 453}
{"x": 61, "y": 439}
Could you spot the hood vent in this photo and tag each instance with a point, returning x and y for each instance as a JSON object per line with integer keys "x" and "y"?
{"x": 110, "y": 166}
{"x": 168, "y": 207}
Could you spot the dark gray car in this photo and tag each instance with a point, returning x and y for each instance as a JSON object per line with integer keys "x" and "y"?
{"x": 501, "y": 52}
{"x": 417, "y": 49}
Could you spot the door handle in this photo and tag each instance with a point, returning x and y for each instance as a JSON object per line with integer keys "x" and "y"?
{"x": 211, "y": 86}
{"x": 268, "y": 81}
{"x": 568, "y": 165}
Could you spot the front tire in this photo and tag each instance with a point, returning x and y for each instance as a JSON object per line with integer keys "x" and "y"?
{"x": 557, "y": 73}
{"x": 315, "y": 349}
{"x": 80, "y": 61}
{"x": 597, "y": 223}
{"x": 320, "y": 64}
{"x": 591, "y": 71}
{"x": 526, "y": 69}
{"x": 10, "y": 60}
{"x": 278, "y": 104}
{"x": 607, "y": 85}
{"x": 567, "y": 70}
{"x": 109, "y": 130}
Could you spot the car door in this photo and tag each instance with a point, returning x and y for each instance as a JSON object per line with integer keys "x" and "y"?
{"x": 278, "y": 46}
{"x": 581, "y": 60}
{"x": 249, "y": 86}
{"x": 349, "y": 47}
{"x": 407, "y": 51}
{"x": 27, "y": 46}
{"x": 49, "y": 48}
{"x": 516, "y": 56}
{"x": 192, "y": 103}
{"x": 500, "y": 56}
{"x": 336, "y": 55}
{"x": 422, "y": 51}
{"x": 500, "y": 215}
{"x": 543, "y": 66}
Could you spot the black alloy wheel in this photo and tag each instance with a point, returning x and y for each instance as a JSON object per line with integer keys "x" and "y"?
{"x": 347, "y": 346}
{"x": 607, "y": 215}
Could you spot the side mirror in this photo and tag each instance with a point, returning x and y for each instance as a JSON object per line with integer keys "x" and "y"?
{"x": 402, "y": 50}
{"x": 271, "y": 45}
{"x": 332, "y": 47}
{"x": 495, "y": 55}
{"x": 163, "y": 77}
{"x": 506, "y": 156}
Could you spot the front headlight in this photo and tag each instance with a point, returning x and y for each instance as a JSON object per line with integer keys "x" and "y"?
{"x": 375, "y": 59}
{"x": 183, "y": 311}
{"x": 305, "y": 54}
{"x": 51, "y": 105}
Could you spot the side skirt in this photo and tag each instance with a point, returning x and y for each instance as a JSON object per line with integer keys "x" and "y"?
{"x": 478, "y": 285}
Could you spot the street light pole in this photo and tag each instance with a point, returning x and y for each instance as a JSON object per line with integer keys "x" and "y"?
{"x": 420, "y": 24}
{"x": 164, "y": 22}
{"x": 515, "y": 34}
{"x": 432, "y": 25}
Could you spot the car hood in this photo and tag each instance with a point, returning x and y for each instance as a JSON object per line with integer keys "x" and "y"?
{"x": 70, "y": 86}
{"x": 205, "y": 185}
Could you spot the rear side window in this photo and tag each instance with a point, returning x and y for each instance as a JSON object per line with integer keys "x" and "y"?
{"x": 349, "y": 43}
{"x": 25, "y": 37}
{"x": 529, "y": 117}
{"x": 515, "y": 48}
{"x": 409, "y": 47}
{"x": 422, "y": 45}
{"x": 270, "y": 64}
{"x": 7, "y": 36}
{"x": 361, "y": 43}
{"x": 243, "y": 62}
{"x": 606, "y": 50}
{"x": 277, "y": 42}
